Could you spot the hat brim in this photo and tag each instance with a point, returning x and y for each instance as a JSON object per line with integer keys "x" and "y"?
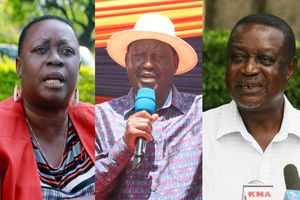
{"x": 118, "y": 43}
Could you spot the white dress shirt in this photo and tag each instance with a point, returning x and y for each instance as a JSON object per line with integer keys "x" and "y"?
{"x": 232, "y": 157}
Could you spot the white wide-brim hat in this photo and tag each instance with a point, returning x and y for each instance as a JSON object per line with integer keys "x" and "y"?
{"x": 152, "y": 26}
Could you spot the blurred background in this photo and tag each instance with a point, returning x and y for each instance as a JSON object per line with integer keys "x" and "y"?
{"x": 220, "y": 17}
{"x": 16, "y": 14}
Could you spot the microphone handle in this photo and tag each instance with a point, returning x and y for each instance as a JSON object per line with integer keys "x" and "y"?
{"x": 139, "y": 147}
{"x": 139, "y": 150}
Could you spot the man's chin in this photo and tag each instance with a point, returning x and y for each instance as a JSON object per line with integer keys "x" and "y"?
{"x": 148, "y": 85}
{"x": 248, "y": 105}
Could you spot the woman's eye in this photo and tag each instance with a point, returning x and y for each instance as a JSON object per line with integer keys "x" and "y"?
{"x": 67, "y": 51}
{"x": 40, "y": 50}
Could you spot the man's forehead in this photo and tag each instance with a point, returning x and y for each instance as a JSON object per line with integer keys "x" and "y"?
{"x": 255, "y": 26}
{"x": 146, "y": 42}
{"x": 257, "y": 30}
{"x": 140, "y": 45}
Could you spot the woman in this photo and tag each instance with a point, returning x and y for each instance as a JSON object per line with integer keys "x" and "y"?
{"x": 47, "y": 137}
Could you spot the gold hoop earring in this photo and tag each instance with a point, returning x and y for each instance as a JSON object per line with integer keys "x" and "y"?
{"x": 17, "y": 93}
{"x": 75, "y": 98}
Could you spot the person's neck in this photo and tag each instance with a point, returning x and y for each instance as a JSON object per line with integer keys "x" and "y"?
{"x": 46, "y": 123}
{"x": 263, "y": 124}
{"x": 161, "y": 99}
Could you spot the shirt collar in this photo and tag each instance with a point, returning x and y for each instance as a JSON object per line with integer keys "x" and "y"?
{"x": 131, "y": 101}
{"x": 289, "y": 123}
{"x": 174, "y": 98}
{"x": 177, "y": 100}
{"x": 231, "y": 122}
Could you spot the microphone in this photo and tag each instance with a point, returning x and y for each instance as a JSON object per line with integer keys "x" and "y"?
{"x": 145, "y": 100}
{"x": 256, "y": 190}
{"x": 292, "y": 182}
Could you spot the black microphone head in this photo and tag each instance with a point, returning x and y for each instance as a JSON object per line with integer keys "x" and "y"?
{"x": 291, "y": 177}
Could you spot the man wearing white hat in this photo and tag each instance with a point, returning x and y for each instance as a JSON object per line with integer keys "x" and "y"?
{"x": 171, "y": 165}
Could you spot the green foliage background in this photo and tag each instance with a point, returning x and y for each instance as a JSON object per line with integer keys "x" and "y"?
{"x": 15, "y": 14}
{"x": 214, "y": 65}
{"x": 8, "y": 77}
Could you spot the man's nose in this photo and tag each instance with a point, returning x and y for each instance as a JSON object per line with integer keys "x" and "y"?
{"x": 250, "y": 67}
{"x": 148, "y": 64}
{"x": 54, "y": 58}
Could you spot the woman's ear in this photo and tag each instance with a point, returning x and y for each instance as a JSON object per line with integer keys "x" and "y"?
{"x": 19, "y": 67}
